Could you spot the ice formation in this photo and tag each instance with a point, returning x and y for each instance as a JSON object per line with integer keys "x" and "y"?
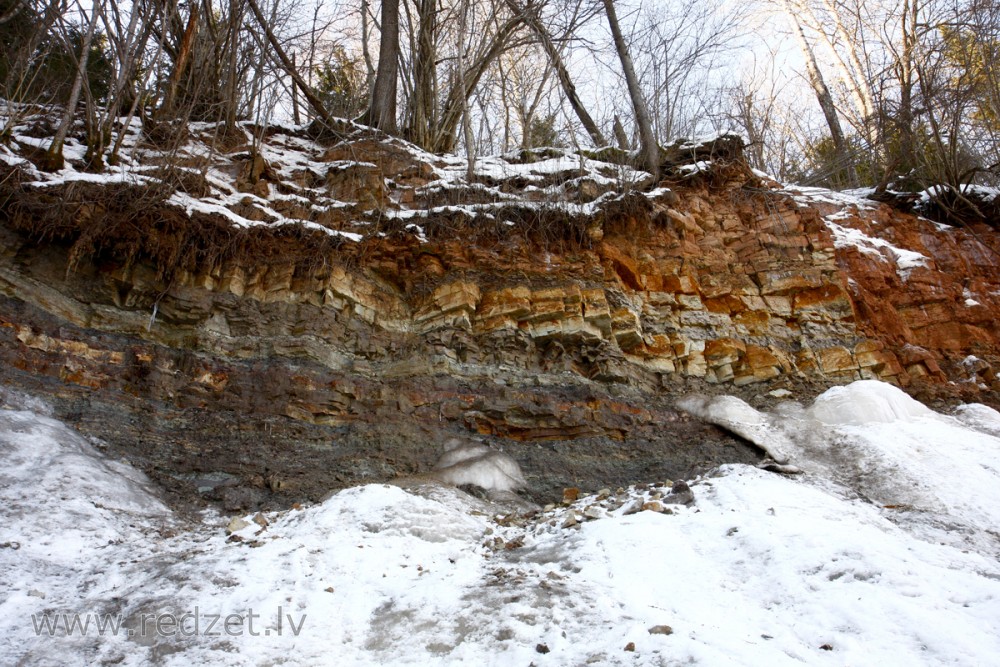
{"x": 737, "y": 416}
{"x": 478, "y": 465}
{"x": 866, "y": 402}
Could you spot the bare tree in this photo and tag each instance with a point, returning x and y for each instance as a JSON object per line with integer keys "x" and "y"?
{"x": 422, "y": 109}
{"x": 307, "y": 92}
{"x": 816, "y": 80}
{"x": 531, "y": 17}
{"x": 649, "y": 150}
{"x": 54, "y": 155}
{"x": 677, "y": 48}
{"x": 381, "y": 112}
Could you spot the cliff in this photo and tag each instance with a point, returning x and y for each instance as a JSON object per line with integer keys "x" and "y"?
{"x": 260, "y": 318}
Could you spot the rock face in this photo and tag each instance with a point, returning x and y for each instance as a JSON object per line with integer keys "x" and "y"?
{"x": 268, "y": 367}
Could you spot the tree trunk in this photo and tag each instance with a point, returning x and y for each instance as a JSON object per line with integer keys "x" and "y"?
{"x": 649, "y": 151}
{"x": 113, "y": 158}
{"x": 235, "y": 20}
{"x": 180, "y": 65}
{"x": 17, "y": 77}
{"x": 505, "y": 105}
{"x": 381, "y": 113}
{"x": 365, "y": 50}
{"x": 129, "y": 48}
{"x": 307, "y": 92}
{"x": 15, "y": 7}
{"x": 569, "y": 89}
{"x": 860, "y": 86}
{"x": 905, "y": 67}
{"x": 422, "y": 104}
{"x": 621, "y": 136}
{"x": 470, "y": 148}
{"x": 451, "y": 114}
{"x": 54, "y": 156}
{"x": 852, "y": 75}
{"x": 295, "y": 99}
{"x": 823, "y": 96}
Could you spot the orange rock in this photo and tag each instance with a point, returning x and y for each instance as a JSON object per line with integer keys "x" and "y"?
{"x": 755, "y": 321}
{"x": 828, "y": 302}
{"x": 728, "y": 304}
{"x": 836, "y": 360}
{"x": 723, "y": 351}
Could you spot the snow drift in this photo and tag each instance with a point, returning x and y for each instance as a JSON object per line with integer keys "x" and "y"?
{"x": 761, "y": 569}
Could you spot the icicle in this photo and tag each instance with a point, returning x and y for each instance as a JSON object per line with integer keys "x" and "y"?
{"x": 152, "y": 318}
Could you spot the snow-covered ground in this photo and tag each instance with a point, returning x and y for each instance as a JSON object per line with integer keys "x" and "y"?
{"x": 882, "y": 551}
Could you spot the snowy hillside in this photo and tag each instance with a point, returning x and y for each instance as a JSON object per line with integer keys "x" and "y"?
{"x": 351, "y": 185}
{"x": 882, "y": 551}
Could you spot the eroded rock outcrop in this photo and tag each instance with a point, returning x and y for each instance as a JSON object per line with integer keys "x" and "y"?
{"x": 338, "y": 331}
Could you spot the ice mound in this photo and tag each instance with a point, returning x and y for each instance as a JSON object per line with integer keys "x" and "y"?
{"x": 479, "y": 465}
{"x": 384, "y": 510}
{"x": 866, "y": 402}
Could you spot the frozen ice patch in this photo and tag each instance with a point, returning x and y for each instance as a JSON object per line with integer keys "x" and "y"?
{"x": 980, "y": 417}
{"x": 478, "y": 465}
{"x": 737, "y": 416}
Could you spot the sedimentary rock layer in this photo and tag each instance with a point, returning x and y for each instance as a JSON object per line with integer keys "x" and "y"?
{"x": 274, "y": 367}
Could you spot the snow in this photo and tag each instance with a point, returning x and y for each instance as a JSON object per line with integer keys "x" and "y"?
{"x": 703, "y": 140}
{"x": 847, "y": 237}
{"x": 695, "y": 168}
{"x": 208, "y": 206}
{"x": 937, "y": 475}
{"x": 987, "y": 194}
{"x": 968, "y": 298}
{"x": 979, "y": 417}
{"x": 113, "y": 176}
{"x": 557, "y": 182}
{"x": 809, "y": 196}
{"x": 763, "y": 175}
{"x": 762, "y": 569}
{"x": 301, "y": 165}
{"x": 848, "y": 206}
{"x": 418, "y": 231}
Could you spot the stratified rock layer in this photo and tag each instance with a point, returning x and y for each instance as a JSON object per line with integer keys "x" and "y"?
{"x": 562, "y": 337}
